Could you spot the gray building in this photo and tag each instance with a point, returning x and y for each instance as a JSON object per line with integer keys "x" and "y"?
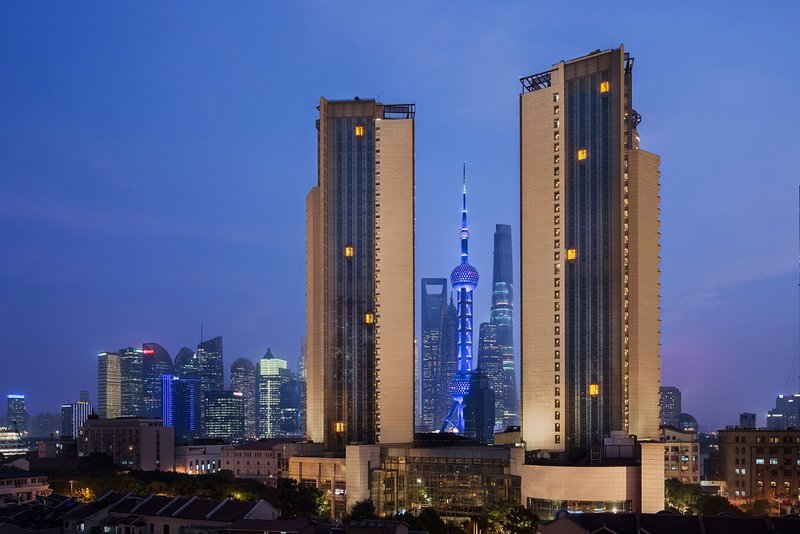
{"x": 434, "y": 379}
{"x": 245, "y": 380}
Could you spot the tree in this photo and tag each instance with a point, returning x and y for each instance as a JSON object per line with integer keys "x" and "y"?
{"x": 296, "y": 500}
{"x": 364, "y": 509}
{"x": 689, "y": 499}
{"x": 508, "y": 517}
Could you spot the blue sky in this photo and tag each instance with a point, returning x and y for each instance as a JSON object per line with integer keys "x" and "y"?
{"x": 154, "y": 160}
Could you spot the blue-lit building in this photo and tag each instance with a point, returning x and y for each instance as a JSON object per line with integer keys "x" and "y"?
{"x": 156, "y": 362}
{"x": 464, "y": 280}
{"x": 181, "y": 401}
{"x": 16, "y": 415}
{"x": 502, "y": 316}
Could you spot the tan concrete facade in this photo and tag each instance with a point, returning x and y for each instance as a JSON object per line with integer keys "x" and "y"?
{"x": 394, "y": 279}
{"x": 326, "y": 473}
{"x": 645, "y": 294}
{"x": 541, "y": 253}
{"x": 360, "y": 276}
{"x": 627, "y": 381}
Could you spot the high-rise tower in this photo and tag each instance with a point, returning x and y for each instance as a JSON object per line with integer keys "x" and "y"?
{"x": 464, "y": 280}
{"x": 244, "y": 380}
{"x": 360, "y": 275}
{"x": 155, "y": 363}
{"x": 434, "y": 380}
{"x": 502, "y": 316}
{"x": 210, "y": 366}
{"x": 131, "y": 368}
{"x": 109, "y": 385}
{"x": 272, "y": 374}
{"x": 589, "y": 257}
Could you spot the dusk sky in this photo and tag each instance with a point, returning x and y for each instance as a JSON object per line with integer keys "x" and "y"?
{"x": 155, "y": 157}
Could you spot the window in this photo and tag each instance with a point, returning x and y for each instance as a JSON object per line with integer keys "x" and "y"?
{"x": 558, "y": 403}
{"x": 594, "y": 389}
{"x": 555, "y": 97}
{"x": 556, "y": 136}
{"x": 604, "y": 87}
{"x": 759, "y": 461}
{"x": 557, "y": 392}
{"x": 556, "y": 172}
{"x": 349, "y": 251}
{"x": 556, "y": 159}
{"x": 557, "y": 355}
{"x": 360, "y": 130}
{"x": 558, "y": 427}
{"x": 555, "y": 110}
{"x": 773, "y": 461}
{"x": 339, "y": 426}
{"x": 369, "y": 318}
{"x": 556, "y": 147}
{"x": 582, "y": 154}
{"x": 558, "y": 367}
{"x": 571, "y": 254}
{"x": 556, "y": 123}
{"x": 558, "y": 438}
{"x": 557, "y": 415}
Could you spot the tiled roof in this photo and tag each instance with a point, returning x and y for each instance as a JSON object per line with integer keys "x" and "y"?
{"x": 667, "y": 523}
{"x": 265, "y": 525}
{"x": 91, "y": 508}
{"x": 233, "y": 511}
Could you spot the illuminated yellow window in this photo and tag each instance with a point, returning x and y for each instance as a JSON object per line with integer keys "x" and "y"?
{"x": 581, "y": 154}
{"x": 594, "y": 389}
{"x": 605, "y": 87}
{"x": 359, "y": 131}
{"x": 339, "y": 427}
{"x": 571, "y": 254}
{"x": 349, "y": 251}
{"x": 369, "y": 318}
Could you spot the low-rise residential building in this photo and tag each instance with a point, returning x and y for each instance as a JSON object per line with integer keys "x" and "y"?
{"x": 18, "y": 486}
{"x": 132, "y": 442}
{"x": 199, "y": 459}
{"x": 681, "y": 454}
{"x": 117, "y": 513}
{"x": 760, "y": 464}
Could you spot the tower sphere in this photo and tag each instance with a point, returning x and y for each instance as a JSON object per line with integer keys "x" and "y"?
{"x": 464, "y": 276}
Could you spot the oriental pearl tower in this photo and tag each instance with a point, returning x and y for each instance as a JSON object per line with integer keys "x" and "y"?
{"x": 463, "y": 279}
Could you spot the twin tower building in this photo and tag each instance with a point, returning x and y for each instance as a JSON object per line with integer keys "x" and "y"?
{"x": 589, "y": 287}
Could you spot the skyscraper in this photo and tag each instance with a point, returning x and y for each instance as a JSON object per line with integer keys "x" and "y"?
{"x": 502, "y": 315}
{"x": 73, "y": 416}
{"x": 589, "y": 257}
{"x": 131, "y": 366}
{"x": 244, "y": 380}
{"x": 291, "y": 416}
{"x": 109, "y": 386}
{"x": 16, "y": 415}
{"x": 448, "y": 355}
{"x": 433, "y": 379}
{"x": 490, "y": 362}
{"x": 223, "y": 415}
{"x": 272, "y": 373}
{"x": 464, "y": 280}
{"x": 180, "y": 406}
{"x": 479, "y": 407}
{"x": 187, "y": 364}
{"x": 360, "y": 275}
{"x": 302, "y": 384}
{"x": 156, "y": 362}
{"x": 209, "y": 359}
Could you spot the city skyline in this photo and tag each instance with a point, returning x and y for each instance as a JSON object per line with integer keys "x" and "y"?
{"x": 710, "y": 283}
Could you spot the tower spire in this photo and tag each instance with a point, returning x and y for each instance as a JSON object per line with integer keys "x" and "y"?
{"x": 464, "y": 234}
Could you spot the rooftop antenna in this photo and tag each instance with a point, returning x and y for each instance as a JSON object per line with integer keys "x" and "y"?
{"x": 201, "y": 331}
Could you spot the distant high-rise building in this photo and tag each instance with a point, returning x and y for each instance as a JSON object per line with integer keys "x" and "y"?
{"x": 180, "y": 406}
{"x": 85, "y": 396}
{"x": 360, "y": 275}
{"x": 244, "y": 379}
{"x": 73, "y": 416}
{"x": 272, "y": 373}
{"x": 589, "y": 247}
{"x": 747, "y": 420}
{"x": 67, "y": 416}
{"x": 502, "y": 316}
{"x": 789, "y": 406}
{"x": 16, "y": 415}
{"x": 490, "y": 361}
{"x": 156, "y": 363}
{"x": 209, "y": 358}
{"x": 186, "y": 364}
{"x": 669, "y": 404}
{"x": 223, "y": 415}
{"x": 479, "y": 407}
{"x": 131, "y": 366}
{"x": 448, "y": 355}
{"x": 291, "y": 417}
{"x": 434, "y": 383}
{"x": 109, "y": 385}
